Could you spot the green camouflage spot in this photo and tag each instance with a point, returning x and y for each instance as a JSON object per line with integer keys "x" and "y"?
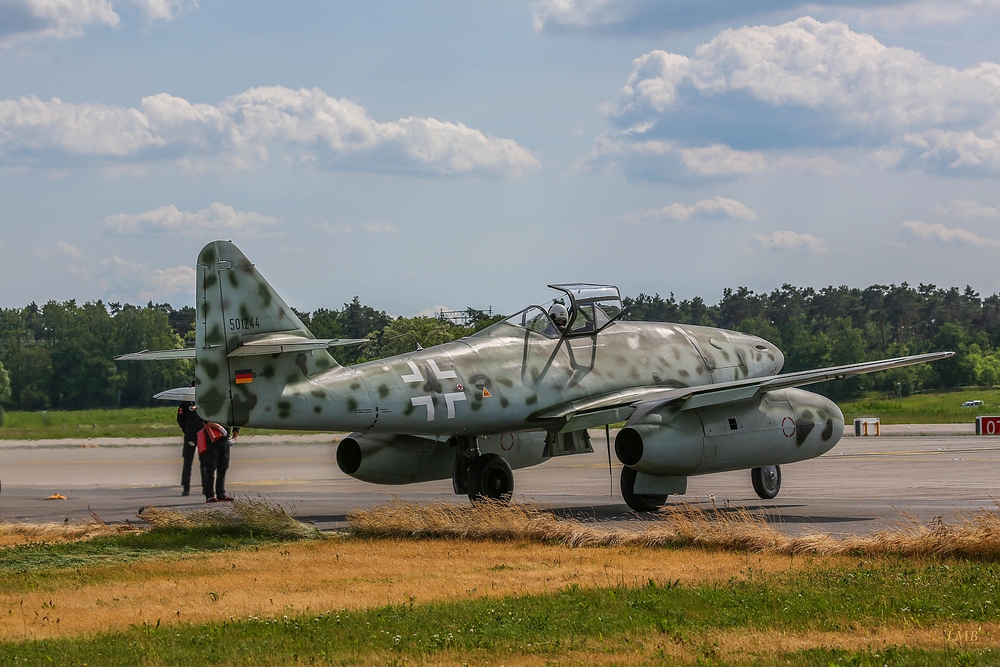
{"x": 355, "y": 386}
{"x": 211, "y": 402}
{"x": 476, "y": 405}
{"x": 352, "y": 404}
{"x": 383, "y": 391}
{"x": 505, "y": 382}
{"x": 211, "y": 368}
{"x": 318, "y": 393}
{"x": 269, "y": 371}
{"x": 232, "y": 279}
{"x": 292, "y": 378}
{"x": 504, "y": 402}
{"x": 207, "y": 256}
{"x": 243, "y": 403}
{"x": 322, "y": 362}
{"x": 284, "y": 408}
{"x": 408, "y": 409}
{"x": 214, "y": 336}
{"x": 531, "y": 400}
{"x": 317, "y": 409}
{"x": 244, "y": 311}
{"x": 210, "y": 280}
{"x": 264, "y": 294}
{"x": 206, "y": 308}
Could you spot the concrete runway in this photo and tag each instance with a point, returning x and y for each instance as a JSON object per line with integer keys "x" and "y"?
{"x": 863, "y": 484}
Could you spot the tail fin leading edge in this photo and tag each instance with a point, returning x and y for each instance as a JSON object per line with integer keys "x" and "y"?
{"x": 237, "y": 306}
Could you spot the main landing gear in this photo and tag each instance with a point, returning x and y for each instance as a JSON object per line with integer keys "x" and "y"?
{"x": 638, "y": 502}
{"x": 766, "y": 481}
{"x": 481, "y": 476}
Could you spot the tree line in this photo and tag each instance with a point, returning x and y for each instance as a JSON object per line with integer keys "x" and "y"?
{"x": 60, "y": 355}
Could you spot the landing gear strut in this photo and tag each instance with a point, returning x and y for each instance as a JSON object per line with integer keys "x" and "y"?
{"x": 766, "y": 481}
{"x": 639, "y": 503}
{"x": 481, "y": 475}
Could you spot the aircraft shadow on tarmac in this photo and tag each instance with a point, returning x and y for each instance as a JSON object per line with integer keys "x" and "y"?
{"x": 773, "y": 514}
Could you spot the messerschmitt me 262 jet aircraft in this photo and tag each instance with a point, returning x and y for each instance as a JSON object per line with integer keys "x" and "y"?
{"x": 695, "y": 400}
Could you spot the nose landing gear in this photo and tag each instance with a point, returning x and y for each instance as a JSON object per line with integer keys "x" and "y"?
{"x": 766, "y": 481}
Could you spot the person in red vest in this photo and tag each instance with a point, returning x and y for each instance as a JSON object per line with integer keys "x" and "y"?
{"x": 214, "y": 443}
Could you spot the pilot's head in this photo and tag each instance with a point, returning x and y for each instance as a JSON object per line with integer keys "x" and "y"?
{"x": 559, "y": 315}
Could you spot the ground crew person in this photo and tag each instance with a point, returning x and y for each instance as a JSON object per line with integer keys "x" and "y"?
{"x": 214, "y": 459}
{"x": 190, "y": 423}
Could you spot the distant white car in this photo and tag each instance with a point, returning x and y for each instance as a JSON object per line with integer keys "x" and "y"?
{"x": 972, "y": 404}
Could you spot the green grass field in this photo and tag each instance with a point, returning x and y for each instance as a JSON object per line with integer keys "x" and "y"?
{"x": 121, "y": 423}
{"x": 936, "y": 408}
{"x": 659, "y": 623}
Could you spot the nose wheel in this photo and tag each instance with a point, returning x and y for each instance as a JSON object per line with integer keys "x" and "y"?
{"x": 766, "y": 481}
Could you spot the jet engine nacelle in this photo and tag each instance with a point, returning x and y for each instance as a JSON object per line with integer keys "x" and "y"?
{"x": 779, "y": 427}
{"x": 389, "y": 458}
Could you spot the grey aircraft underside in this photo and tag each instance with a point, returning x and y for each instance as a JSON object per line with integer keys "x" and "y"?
{"x": 694, "y": 400}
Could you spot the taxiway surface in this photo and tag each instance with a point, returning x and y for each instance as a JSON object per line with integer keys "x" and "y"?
{"x": 863, "y": 484}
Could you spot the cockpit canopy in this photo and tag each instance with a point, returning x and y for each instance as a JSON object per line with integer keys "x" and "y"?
{"x": 591, "y": 308}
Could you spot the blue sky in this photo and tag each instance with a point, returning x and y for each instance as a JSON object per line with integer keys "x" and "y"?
{"x": 453, "y": 154}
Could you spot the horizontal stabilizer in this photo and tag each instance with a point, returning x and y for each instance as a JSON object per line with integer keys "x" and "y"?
{"x": 158, "y": 355}
{"x": 292, "y": 344}
{"x": 184, "y": 394}
{"x": 646, "y": 399}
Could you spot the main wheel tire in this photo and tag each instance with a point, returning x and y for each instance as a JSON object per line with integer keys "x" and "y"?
{"x": 766, "y": 481}
{"x": 490, "y": 477}
{"x": 638, "y": 502}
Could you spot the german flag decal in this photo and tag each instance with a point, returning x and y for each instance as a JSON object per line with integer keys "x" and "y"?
{"x": 244, "y": 377}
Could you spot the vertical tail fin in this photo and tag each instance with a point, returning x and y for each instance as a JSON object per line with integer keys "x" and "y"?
{"x": 235, "y": 306}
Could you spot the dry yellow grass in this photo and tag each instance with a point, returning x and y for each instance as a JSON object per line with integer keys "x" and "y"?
{"x": 342, "y": 574}
{"x": 258, "y": 514}
{"x": 13, "y": 534}
{"x": 973, "y": 535}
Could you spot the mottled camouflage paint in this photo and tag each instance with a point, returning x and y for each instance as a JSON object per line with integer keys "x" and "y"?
{"x": 522, "y": 372}
{"x": 496, "y": 385}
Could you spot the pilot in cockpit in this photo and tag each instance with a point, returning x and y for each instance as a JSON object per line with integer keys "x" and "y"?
{"x": 559, "y": 317}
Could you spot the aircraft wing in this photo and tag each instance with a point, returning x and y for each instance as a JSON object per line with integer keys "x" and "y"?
{"x": 178, "y": 394}
{"x": 158, "y": 355}
{"x": 603, "y": 409}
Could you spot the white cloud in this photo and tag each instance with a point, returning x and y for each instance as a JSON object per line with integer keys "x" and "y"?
{"x": 127, "y": 281}
{"x": 305, "y": 127}
{"x": 965, "y": 208}
{"x": 67, "y": 250}
{"x": 707, "y": 209}
{"x": 656, "y": 16}
{"x": 792, "y": 241}
{"x": 801, "y": 85}
{"x": 217, "y": 218}
{"x": 915, "y": 229}
{"x": 23, "y": 20}
{"x": 376, "y": 227}
{"x": 331, "y": 227}
{"x": 164, "y": 10}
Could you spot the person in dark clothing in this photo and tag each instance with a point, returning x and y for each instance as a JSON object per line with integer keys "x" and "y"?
{"x": 190, "y": 423}
{"x": 215, "y": 461}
